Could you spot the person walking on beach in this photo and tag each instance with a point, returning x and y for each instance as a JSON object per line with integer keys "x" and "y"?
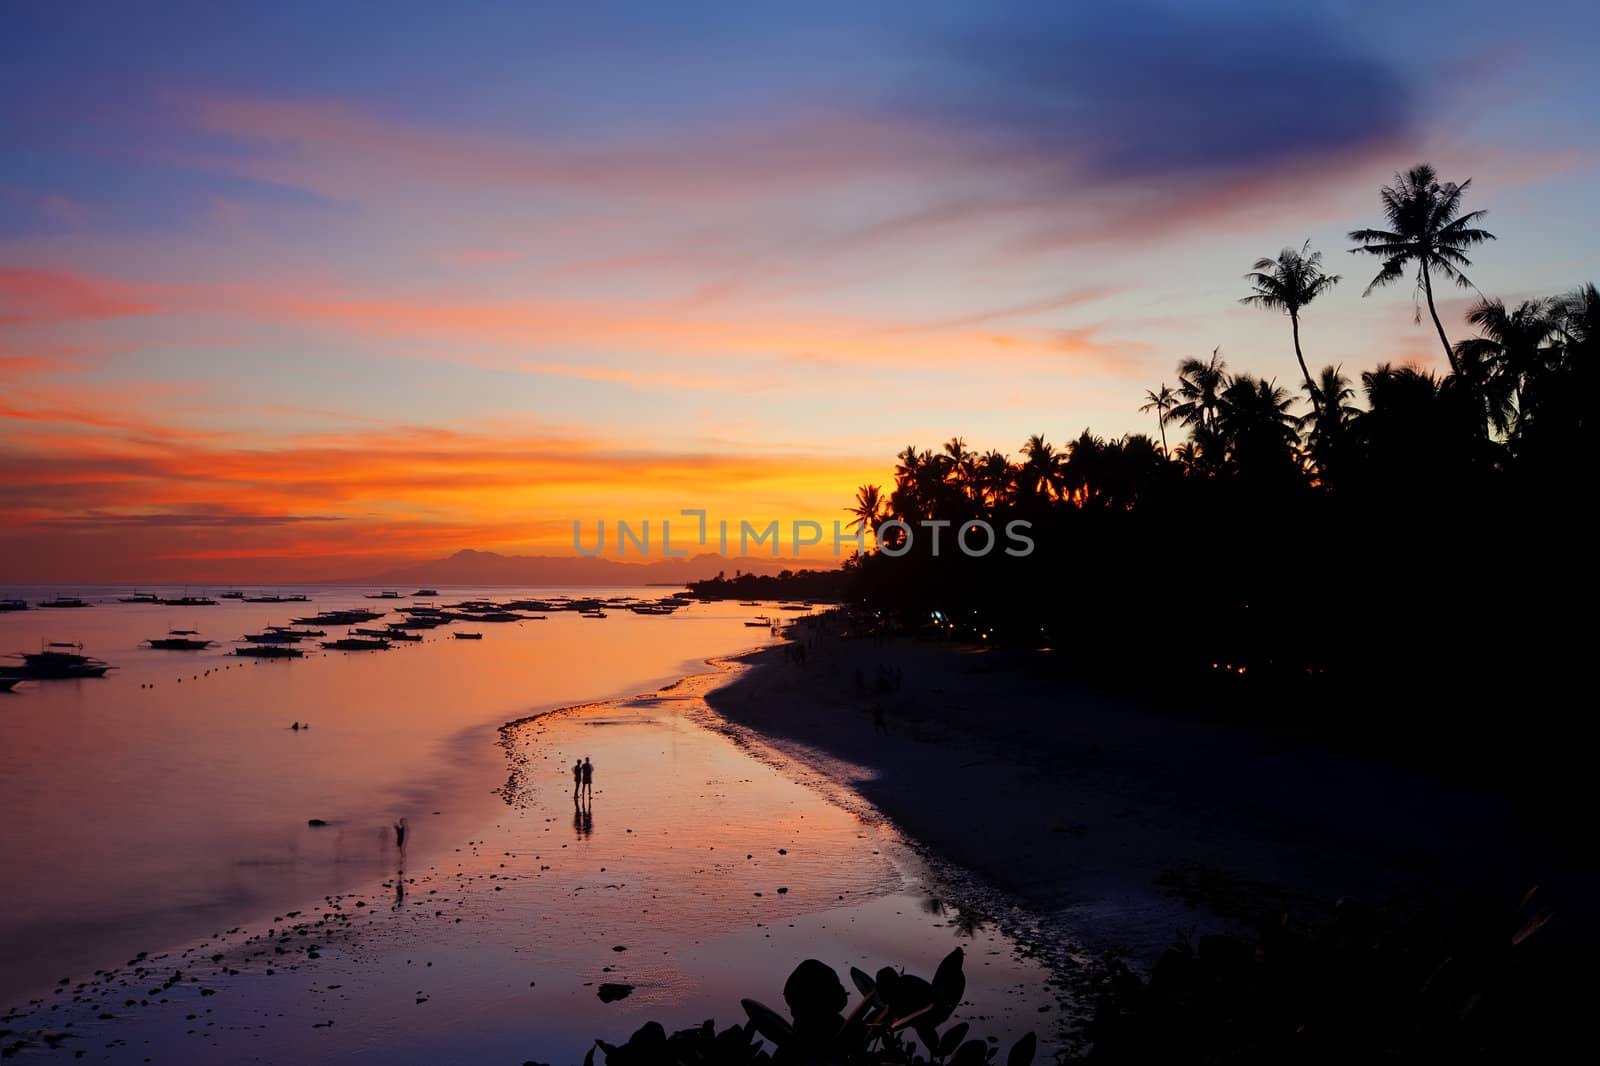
{"x": 400, "y": 834}
{"x": 577, "y": 780}
{"x": 588, "y": 778}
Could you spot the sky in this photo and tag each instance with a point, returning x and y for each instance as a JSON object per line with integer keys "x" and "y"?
{"x": 296, "y": 291}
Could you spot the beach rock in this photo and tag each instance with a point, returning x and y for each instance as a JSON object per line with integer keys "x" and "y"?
{"x": 315, "y": 823}
{"x": 610, "y": 993}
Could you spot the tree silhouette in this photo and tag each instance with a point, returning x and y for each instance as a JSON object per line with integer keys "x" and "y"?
{"x": 1288, "y": 283}
{"x": 868, "y": 509}
{"x": 1512, "y": 350}
{"x": 1161, "y": 401}
{"x": 1426, "y": 228}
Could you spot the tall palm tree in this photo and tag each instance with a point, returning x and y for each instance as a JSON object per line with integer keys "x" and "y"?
{"x": 1200, "y": 384}
{"x": 1426, "y": 227}
{"x": 1287, "y": 284}
{"x": 1161, "y": 401}
{"x": 868, "y": 509}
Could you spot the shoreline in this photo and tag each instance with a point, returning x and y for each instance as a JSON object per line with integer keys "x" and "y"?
{"x": 1123, "y": 829}
{"x": 371, "y": 959}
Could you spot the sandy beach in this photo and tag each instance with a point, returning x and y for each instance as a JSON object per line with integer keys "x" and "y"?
{"x": 699, "y": 874}
{"x": 1124, "y": 828}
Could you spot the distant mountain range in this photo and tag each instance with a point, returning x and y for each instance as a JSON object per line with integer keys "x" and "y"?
{"x": 469, "y": 567}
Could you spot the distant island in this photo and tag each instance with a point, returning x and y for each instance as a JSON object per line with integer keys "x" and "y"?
{"x": 470, "y": 567}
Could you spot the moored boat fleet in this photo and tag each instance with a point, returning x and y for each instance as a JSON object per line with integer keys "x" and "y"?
{"x": 410, "y": 624}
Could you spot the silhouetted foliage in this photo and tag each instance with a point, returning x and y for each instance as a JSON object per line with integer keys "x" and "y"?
{"x": 1467, "y": 984}
{"x": 896, "y": 1021}
{"x": 1364, "y": 551}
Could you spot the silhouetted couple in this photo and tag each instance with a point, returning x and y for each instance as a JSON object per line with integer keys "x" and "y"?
{"x": 582, "y": 780}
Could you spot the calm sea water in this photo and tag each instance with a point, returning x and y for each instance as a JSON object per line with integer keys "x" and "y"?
{"x": 171, "y": 799}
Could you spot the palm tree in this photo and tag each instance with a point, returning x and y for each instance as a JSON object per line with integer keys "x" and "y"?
{"x": 960, "y": 465}
{"x": 868, "y": 509}
{"x": 1254, "y": 417}
{"x": 1162, "y": 401}
{"x": 1082, "y": 471}
{"x": 1295, "y": 279}
{"x": 1199, "y": 386}
{"x": 1326, "y": 428}
{"x": 995, "y": 478}
{"x": 1041, "y": 468}
{"x": 1426, "y": 227}
{"x": 1512, "y": 350}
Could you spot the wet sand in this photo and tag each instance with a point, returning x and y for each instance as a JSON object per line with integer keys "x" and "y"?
{"x": 699, "y": 874}
{"x": 1122, "y": 828}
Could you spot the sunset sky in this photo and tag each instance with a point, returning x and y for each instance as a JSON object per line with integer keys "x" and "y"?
{"x": 296, "y": 291}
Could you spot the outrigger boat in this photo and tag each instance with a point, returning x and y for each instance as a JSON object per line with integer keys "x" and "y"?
{"x": 234, "y": 595}
{"x": 273, "y": 637}
{"x": 54, "y": 666}
{"x": 356, "y": 644}
{"x": 426, "y": 592}
{"x": 385, "y": 595}
{"x": 65, "y": 601}
{"x": 459, "y": 635}
{"x": 140, "y": 597}
{"x": 13, "y": 605}
{"x": 338, "y": 618}
{"x": 190, "y": 601}
{"x": 180, "y": 640}
{"x": 270, "y": 651}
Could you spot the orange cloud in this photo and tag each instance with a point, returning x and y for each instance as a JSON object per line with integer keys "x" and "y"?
{"x": 93, "y": 490}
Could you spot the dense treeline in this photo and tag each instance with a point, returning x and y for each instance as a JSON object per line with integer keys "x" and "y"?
{"x": 1399, "y": 534}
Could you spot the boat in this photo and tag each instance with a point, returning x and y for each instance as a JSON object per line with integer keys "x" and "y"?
{"x": 270, "y": 651}
{"x": 190, "y": 601}
{"x": 459, "y": 635}
{"x": 273, "y": 637}
{"x": 761, "y": 623}
{"x": 64, "y": 601}
{"x": 298, "y": 597}
{"x": 54, "y": 666}
{"x": 140, "y": 597}
{"x": 179, "y": 643}
{"x": 338, "y": 618}
{"x": 297, "y": 632}
{"x": 356, "y": 644}
{"x": 593, "y": 614}
{"x": 497, "y": 616}
{"x": 400, "y": 634}
{"x": 13, "y": 605}
{"x": 385, "y": 595}
{"x": 749, "y": 603}
{"x": 360, "y": 632}
{"x": 234, "y": 595}
{"x": 264, "y": 599}
{"x": 426, "y": 592}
